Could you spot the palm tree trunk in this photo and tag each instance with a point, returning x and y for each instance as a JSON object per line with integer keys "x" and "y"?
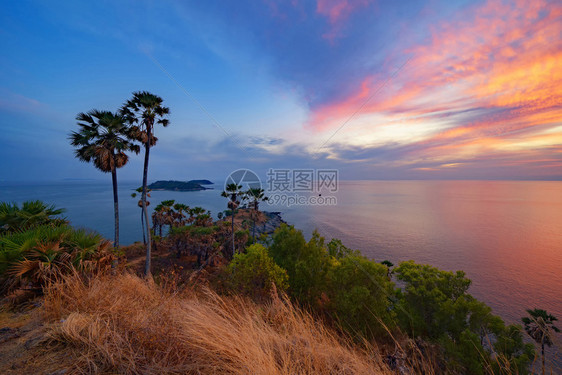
{"x": 254, "y": 229}
{"x": 143, "y": 230}
{"x": 143, "y": 199}
{"x": 115, "y": 204}
{"x": 233, "y": 249}
{"x": 542, "y": 352}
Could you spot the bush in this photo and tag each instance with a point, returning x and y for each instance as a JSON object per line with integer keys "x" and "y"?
{"x": 435, "y": 304}
{"x": 254, "y": 273}
{"x": 35, "y": 257}
{"x": 431, "y": 299}
{"x": 32, "y": 214}
{"x": 306, "y": 263}
{"x": 335, "y": 280}
{"x": 358, "y": 292}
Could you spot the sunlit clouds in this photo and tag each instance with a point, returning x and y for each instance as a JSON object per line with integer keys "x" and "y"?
{"x": 378, "y": 89}
{"x": 486, "y": 83}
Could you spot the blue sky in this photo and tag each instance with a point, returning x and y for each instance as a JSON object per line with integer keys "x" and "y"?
{"x": 417, "y": 89}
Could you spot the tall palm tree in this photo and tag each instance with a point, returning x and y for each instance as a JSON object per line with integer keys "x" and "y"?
{"x": 256, "y": 195}
{"x": 143, "y": 111}
{"x": 539, "y": 325}
{"x": 232, "y": 192}
{"x": 103, "y": 137}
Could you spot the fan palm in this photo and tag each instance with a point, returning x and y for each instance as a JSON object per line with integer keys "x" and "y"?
{"x": 232, "y": 192}
{"x": 103, "y": 138}
{"x": 31, "y": 215}
{"x": 144, "y": 110}
{"x": 539, "y": 325}
{"x": 256, "y": 195}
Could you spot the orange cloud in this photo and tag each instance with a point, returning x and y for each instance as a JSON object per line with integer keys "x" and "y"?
{"x": 501, "y": 59}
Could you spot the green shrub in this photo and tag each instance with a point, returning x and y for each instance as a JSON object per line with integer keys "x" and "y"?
{"x": 38, "y": 255}
{"x": 358, "y": 291}
{"x": 306, "y": 262}
{"x": 335, "y": 280}
{"x": 434, "y": 304}
{"x": 32, "y": 214}
{"x": 337, "y": 249}
{"x": 254, "y": 273}
{"x": 429, "y": 302}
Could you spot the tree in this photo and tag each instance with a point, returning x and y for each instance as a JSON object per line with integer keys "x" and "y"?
{"x": 143, "y": 112}
{"x": 134, "y": 195}
{"x": 232, "y": 192}
{"x": 255, "y": 273}
{"x": 539, "y": 325}
{"x": 163, "y": 215}
{"x": 103, "y": 138}
{"x": 256, "y": 195}
{"x": 31, "y": 215}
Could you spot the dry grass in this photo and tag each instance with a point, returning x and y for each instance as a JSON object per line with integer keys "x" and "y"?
{"x": 127, "y": 325}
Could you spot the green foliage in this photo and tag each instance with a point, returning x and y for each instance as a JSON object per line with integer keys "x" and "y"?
{"x": 34, "y": 257}
{"x": 254, "y": 273}
{"x": 434, "y": 304}
{"x": 510, "y": 346}
{"x": 306, "y": 263}
{"x": 31, "y": 215}
{"x": 18, "y": 246}
{"x": 335, "y": 280}
{"x": 337, "y": 250}
{"x": 358, "y": 291}
{"x": 431, "y": 299}
{"x": 387, "y": 263}
{"x": 464, "y": 354}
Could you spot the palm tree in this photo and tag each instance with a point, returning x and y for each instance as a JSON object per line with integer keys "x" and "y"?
{"x": 31, "y": 215}
{"x": 232, "y": 192}
{"x": 144, "y": 111}
{"x": 104, "y": 139}
{"x": 539, "y": 325}
{"x": 181, "y": 210}
{"x": 256, "y": 195}
{"x": 139, "y": 203}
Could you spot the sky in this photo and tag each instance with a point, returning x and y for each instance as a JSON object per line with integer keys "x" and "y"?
{"x": 376, "y": 89}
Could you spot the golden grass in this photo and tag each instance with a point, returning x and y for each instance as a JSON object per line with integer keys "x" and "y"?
{"x": 128, "y": 325}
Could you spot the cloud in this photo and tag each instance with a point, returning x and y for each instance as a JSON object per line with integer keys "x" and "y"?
{"x": 496, "y": 66}
{"x": 337, "y": 12}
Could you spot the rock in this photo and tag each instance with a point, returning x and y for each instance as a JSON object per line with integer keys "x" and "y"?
{"x": 272, "y": 222}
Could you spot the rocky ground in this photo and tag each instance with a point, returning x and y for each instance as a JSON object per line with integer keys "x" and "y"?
{"x": 272, "y": 221}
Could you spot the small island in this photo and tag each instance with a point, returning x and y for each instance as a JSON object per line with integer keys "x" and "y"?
{"x": 202, "y": 182}
{"x": 192, "y": 185}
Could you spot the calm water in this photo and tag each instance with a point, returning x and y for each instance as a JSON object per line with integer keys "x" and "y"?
{"x": 506, "y": 235}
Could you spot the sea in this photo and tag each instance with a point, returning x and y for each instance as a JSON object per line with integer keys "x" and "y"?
{"x": 505, "y": 235}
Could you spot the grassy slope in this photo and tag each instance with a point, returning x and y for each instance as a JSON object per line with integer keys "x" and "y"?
{"x": 124, "y": 324}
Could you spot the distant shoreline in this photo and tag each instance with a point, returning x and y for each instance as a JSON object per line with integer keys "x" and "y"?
{"x": 173, "y": 185}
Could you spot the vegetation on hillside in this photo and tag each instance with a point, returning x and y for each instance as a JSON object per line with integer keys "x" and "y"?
{"x": 413, "y": 318}
{"x": 176, "y": 185}
{"x": 31, "y": 214}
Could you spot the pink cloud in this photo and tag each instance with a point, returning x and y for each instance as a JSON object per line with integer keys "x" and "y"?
{"x": 503, "y": 57}
{"x": 337, "y": 12}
